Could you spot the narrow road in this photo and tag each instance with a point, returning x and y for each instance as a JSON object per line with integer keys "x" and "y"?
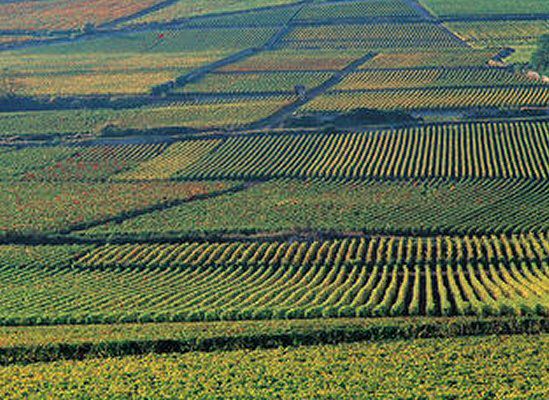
{"x": 278, "y": 117}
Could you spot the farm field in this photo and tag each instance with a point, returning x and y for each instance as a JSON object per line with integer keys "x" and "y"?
{"x": 183, "y": 9}
{"x": 452, "y": 368}
{"x": 274, "y": 199}
{"x": 486, "y": 7}
{"x": 62, "y": 15}
{"x": 462, "y": 150}
{"x": 434, "y": 205}
{"x": 374, "y": 36}
{"x": 222, "y": 113}
{"x": 445, "y": 276}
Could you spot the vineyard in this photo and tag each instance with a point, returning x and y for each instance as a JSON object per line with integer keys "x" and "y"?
{"x": 212, "y": 281}
{"x": 422, "y": 59}
{"x": 294, "y": 206}
{"x": 438, "y": 98}
{"x": 182, "y": 9}
{"x": 499, "y": 33}
{"x": 295, "y": 60}
{"x": 259, "y": 82}
{"x": 209, "y": 195}
{"x": 427, "y": 78}
{"x": 31, "y": 208}
{"x": 59, "y": 15}
{"x": 219, "y": 113}
{"x": 372, "y": 9}
{"x": 457, "y": 367}
{"x": 486, "y": 7}
{"x": 487, "y": 150}
{"x": 374, "y": 36}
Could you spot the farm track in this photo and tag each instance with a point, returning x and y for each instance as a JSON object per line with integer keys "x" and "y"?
{"x": 199, "y": 73}
{"x": 430, "y": 17}
{"x": 285, "y": 112}
{"x": 159, "y": 207}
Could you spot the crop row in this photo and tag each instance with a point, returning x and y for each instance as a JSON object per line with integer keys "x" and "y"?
{"x": 360, "y": 9}
{"x": 433, "y": 206}
{"x": 437, "y": 98}
{"x": 428, "y": 78}
{"x": 421, "y": 59}
{"x": 264, "y": 291}
{"x": 295, "y": 60}
{"x": 515, "y": 149}
{"x": 500, "y": 33}
{"x": 254, "y": 18}
{"x": 178, "y": 156}
{"x": 373, "y": 36}
{"x": 382, "y": 250}
{"x": 74, "y": 163}
{"x": 259, "y": 82}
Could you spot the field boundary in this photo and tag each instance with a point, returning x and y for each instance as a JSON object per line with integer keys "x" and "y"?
{"x": 382, "y": 331}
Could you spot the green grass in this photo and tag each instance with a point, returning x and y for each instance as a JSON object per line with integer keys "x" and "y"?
{"x": 510, "y": 367}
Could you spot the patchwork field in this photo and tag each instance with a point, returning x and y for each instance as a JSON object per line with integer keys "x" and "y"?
{"x": 274, "y": 199}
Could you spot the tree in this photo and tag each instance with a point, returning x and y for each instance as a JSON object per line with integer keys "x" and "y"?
{"x": 540, "y": 59}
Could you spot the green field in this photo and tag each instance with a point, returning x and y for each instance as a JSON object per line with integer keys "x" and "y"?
{"x": 274, "y": 199}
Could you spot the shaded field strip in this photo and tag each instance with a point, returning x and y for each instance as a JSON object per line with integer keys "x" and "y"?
{"x": 334, "y": 334}
{"x": 158, "y": 207}
{"x": 259, "y": 236}
{"x": 73, "y": 236}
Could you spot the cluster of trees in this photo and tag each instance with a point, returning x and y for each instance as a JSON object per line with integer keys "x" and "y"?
{"x": 540, "y": 59}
